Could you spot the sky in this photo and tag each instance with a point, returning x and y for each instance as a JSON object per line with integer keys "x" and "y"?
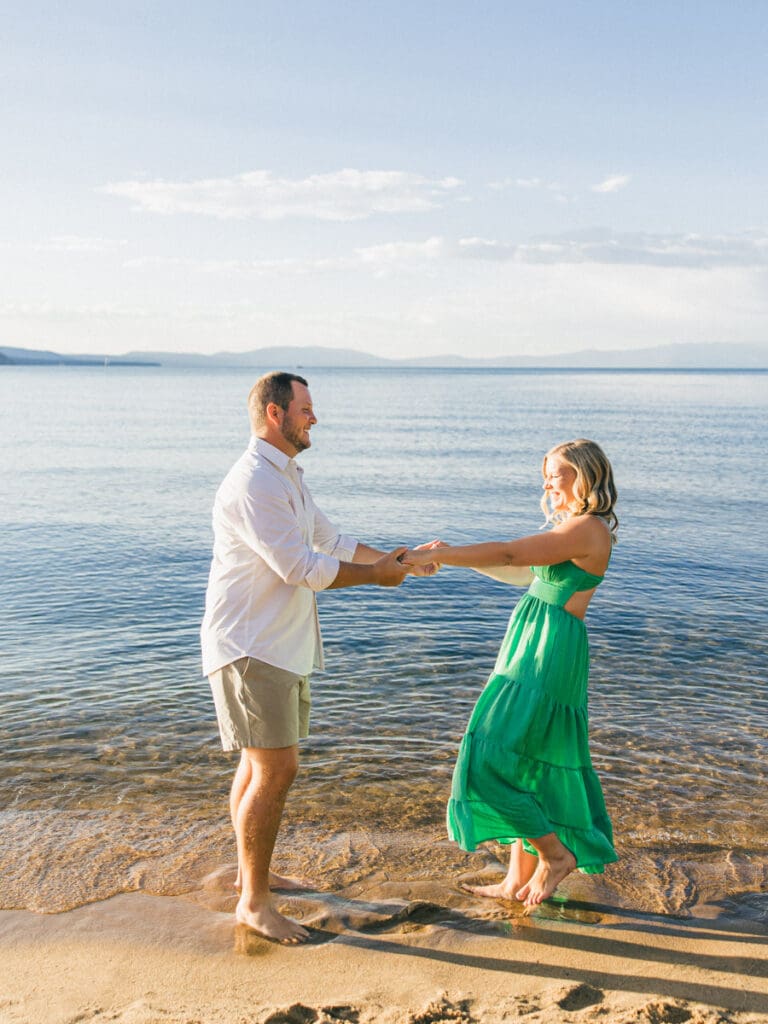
{"x": 405, "y": 179}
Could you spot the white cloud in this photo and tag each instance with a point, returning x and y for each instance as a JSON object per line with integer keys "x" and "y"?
{"x": 612, "y": 184}
{"x": 345, "y": 195}
{"x": 380, "y": 259}
{"x": 398, "y": 255}
{"x": 505, "y": 183}
{"x": 693, "y": 251}
{"x": 487, "y": 249}
{"x": 748, "y": 249}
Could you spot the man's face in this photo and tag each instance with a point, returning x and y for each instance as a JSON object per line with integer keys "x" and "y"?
{"x": 298, "y": 418}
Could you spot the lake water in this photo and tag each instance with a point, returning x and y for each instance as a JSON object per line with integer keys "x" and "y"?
{"x": 111, "y": 775}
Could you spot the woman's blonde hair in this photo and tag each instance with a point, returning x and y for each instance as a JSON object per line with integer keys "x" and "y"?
{"x": 594, "y": 491}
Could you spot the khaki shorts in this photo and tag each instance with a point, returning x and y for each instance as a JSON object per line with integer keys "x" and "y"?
{"x": 259, "y": 705}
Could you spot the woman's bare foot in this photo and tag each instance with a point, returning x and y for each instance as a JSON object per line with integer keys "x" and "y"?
{"x": 270, "y": 924}
{"x": 505, "y": 890}
{"x": 546, "y": 878}
{"x": 522, "y": 866}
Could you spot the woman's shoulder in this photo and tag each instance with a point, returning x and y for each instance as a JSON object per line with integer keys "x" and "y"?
{"x": 589, "y": 526}
{"x": 591, "y": 536}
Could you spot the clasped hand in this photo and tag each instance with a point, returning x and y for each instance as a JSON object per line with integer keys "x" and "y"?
{"x": 419, "y": 560}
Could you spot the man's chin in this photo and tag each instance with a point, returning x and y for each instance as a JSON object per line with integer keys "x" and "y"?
{"x": 299, "y": 442}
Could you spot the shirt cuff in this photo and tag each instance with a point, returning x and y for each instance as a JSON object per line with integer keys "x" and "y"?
{"x": 323, "y": 572}
{"x": 345, "y": 548}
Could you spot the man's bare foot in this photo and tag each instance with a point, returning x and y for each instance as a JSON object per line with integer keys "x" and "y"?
{"x": 546, "y": 878}
{"x": 270, "y": 924}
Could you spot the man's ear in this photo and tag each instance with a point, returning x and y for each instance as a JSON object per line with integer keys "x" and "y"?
{"x": 273, "y": 412}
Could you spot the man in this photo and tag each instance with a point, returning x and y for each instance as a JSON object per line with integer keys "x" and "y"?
{"x": 273, "y": 549}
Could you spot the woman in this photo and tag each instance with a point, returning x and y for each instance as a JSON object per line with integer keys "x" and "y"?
{"x": 524, "y": 775}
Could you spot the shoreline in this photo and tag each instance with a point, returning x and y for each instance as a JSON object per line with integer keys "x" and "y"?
{"x": 56, "y": 862}
{"x": 140, "y": 959}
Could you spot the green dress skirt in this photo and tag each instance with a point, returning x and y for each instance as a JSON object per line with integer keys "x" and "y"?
{"x": 524, "y": 768}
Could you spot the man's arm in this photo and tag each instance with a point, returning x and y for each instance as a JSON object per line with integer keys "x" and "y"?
{"x": 267, "y": 523}
{"x": 365, "y": 555}
{"x": 383, "y": 571}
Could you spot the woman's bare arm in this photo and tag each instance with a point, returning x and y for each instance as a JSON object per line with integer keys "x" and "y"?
{"x": 581, "y": 537}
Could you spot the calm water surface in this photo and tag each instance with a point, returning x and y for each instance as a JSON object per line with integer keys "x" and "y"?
{"x": 111, "y": 776}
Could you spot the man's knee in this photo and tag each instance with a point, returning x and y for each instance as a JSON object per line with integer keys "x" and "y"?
{"x": 274, "y": 767}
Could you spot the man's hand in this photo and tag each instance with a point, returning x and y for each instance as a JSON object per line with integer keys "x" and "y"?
{"x": 385, "y": 571}
{"x": 389, "y": 571}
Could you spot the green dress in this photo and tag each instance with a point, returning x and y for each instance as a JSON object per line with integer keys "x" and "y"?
{"x": 524, "y": 768}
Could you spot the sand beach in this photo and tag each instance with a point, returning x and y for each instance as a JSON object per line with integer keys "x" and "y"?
{"x": 384, "y": 951}
{"x": 138, "y": 959}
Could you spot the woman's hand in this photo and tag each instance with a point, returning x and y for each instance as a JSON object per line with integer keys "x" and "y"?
{"x": 420, "y": 559}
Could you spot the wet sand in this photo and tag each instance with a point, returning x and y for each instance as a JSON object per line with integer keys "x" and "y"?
{"x": 377, "y": 957}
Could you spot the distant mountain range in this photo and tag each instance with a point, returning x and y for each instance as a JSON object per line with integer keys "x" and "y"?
{"x": 42, "y": 357}
{"x": 660, "y": 357}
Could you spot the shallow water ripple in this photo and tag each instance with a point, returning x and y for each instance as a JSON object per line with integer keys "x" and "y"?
{"x": 107, "y": 544}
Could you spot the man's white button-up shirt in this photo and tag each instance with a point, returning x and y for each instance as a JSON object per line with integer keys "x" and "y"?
{"x": 273, "y": 548}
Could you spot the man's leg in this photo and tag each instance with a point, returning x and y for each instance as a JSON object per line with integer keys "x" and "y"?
{"x": 257, "y": 821}
{"x": 239, "y": 787}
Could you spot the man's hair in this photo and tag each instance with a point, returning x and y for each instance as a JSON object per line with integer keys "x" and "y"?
{"x": 276, "y": 387}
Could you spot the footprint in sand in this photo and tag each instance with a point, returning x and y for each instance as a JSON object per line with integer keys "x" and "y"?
{"x": 442, "y": 1011}
{"x": 665, "y": 1013}
{"x": 296, "y": 1014}
{"x": 300, "y": 1014}
{"x": 580, "y": 997}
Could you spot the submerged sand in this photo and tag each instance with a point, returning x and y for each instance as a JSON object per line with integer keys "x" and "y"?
{"x": 142, "y": 959}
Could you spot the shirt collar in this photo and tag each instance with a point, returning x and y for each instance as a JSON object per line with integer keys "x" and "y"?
{"x": 274, "y": 455}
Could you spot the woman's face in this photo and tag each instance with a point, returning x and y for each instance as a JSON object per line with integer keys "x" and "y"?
{"x": 559, "y": 479}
